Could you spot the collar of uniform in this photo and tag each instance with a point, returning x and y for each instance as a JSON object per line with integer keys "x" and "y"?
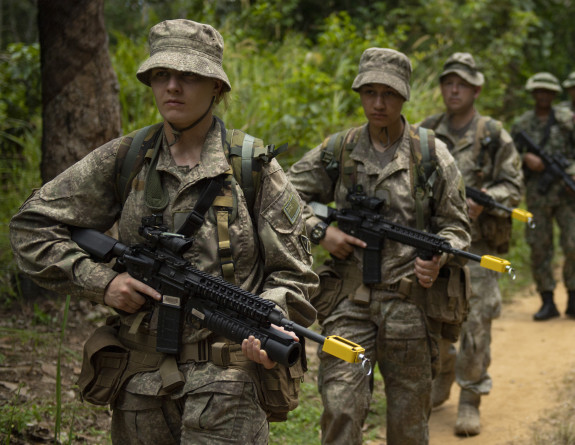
{"x": 363, "y": 153}
{"x": 213, "y": 161}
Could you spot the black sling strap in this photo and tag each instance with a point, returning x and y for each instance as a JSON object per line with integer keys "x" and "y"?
{"x": 197, "y": 216}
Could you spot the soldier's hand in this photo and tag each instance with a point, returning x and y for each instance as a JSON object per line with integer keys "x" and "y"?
{"x": 426, "y": 271}
{"x": 251, "y": 347}
{"x": 475, "y": 209}
{"x": 125, "y": 293}
{"x": 339, "y": 243}
{"x": 533, "y": 162}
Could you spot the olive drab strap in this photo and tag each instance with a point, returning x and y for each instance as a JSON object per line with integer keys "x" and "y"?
{"x": 335, "y": 155}
{"x": 487, "y": 138}
{"x": 423, "y": 170}
{"x": 130, "y": 161}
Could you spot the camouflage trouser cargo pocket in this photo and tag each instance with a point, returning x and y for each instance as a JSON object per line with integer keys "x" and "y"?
{"x": 447, "y": 301}
{"x": 104, "y": 362}
{"x": 330, "y": 292}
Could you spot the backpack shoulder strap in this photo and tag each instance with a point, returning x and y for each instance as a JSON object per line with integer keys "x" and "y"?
{"x": 423, "y": 170}
{"x": 487, "y": 138}
{"x": 335, "y": 155}
{"x": 247, "y": 155}
{"x": 133, "y": 149}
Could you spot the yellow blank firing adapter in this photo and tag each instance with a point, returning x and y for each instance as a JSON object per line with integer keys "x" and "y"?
{"x": 346, "y": 350}
{"x": 498, "y": 265}
{"x": 524, "y": 216}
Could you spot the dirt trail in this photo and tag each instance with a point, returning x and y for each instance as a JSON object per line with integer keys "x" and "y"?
{"x": 529, "y": 362}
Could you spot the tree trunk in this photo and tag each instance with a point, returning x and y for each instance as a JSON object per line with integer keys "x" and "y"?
{"x": 80, "y": 103}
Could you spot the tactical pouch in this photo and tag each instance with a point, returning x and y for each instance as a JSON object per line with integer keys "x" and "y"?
{"x": 278, "y": 389}
{"x": 496, "y": 231}
{"x": 447, "y": 301}
{"x": 104, "y": 362}
{"x": 330, "y": 291}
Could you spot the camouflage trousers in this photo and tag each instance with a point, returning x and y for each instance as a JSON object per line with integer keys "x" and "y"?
{"x": 474, "y": 356}
{"x": 216, "y": 406}
{"x": 546, "y": 210}
{"x": 394, "y": 333}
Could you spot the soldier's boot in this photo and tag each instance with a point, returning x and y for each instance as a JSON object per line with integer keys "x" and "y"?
{"x": 571, "y": 304}
{"x": 548, "y": 309}
{"x": 441, "y": 387}
{"x": 468, "y": 414}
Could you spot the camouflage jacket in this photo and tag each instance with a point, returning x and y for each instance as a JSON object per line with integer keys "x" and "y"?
{"x": 447, "y": 215}
{"x": 270, "y": 252}
{"x": 561, "y": 141}
{"x": 496, "y": 168}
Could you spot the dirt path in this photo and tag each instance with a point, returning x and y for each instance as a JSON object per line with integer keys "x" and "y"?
{"x": 529, "y": 362}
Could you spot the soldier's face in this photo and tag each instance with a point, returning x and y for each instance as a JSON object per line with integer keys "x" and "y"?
{"x": 182, "y": 97}
{"x": 458, "y": 94}
{"x": 543, "y": 98}
{"x": 381, "y": 104}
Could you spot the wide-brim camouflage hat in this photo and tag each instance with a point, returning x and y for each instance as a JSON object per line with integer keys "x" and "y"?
{"x": 464, "y": 66}
{"x": 384, "y": 66}
{"x": 543, "y": 81}
{"x": 570, "y": 81}
{"x": 184, "y": 45}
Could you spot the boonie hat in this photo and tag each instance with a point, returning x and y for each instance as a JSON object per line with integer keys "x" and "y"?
{"x": 543, "y": 81}
{"x": 184, "y": 45}
{"x": 385, "y": 66}
{"x": 464, "y": 66}
{"x": 570, "y": 81}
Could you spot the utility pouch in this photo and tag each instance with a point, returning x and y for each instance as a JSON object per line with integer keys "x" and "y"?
{"x": 496, "y": 230}
{"x": 104, "y": 362}
{"x": 330, "y": 291}
{"x": 447, "y": 301}
{"x": 279, "y": 389}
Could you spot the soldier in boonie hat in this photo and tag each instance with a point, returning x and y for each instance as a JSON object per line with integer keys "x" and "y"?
{"x": 543, "y": 81}
{"x": 187, "y": 46}
{"x": 385, "y": 66}
{"x": 464, "y": 66}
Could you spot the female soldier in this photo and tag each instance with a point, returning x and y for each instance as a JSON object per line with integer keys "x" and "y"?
{"x": 213, "y": 402}
{"x": 387, "y": 318}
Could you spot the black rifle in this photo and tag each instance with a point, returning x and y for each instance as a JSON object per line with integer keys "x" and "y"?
{"x": 364, "y": 221}
{"x": 189, "y": 294}
{"x": 555, "y": 164}
{"x": 488, "y": 202}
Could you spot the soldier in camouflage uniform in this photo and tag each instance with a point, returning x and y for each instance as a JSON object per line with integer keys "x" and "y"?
{"x": 569, "y": 85}
{"x": 552, "y": 128}
{"x": 213, "y": 403}
{"x": 383, "y": 317}
{"x": 488, "y": 161}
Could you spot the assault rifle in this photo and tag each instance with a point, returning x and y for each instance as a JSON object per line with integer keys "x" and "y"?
{"x": 189, "y": 294}
{"x": 555, "y": 164}
{"x": 488, "y": 202}
{"x": 364, "y": 221}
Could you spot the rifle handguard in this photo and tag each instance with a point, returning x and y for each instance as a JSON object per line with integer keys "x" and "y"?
{"x": 497, "y": 264}
{"x": 346, "y": 350}
{"x": 524, "y": 216}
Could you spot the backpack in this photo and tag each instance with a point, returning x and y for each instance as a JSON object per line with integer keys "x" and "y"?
{"x": 495, "y": 229}
{"x": 278, "y": 388}
{"x": 337, "y": 148}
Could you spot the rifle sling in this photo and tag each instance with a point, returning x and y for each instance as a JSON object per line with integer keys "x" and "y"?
{"x": 196, "y": 217}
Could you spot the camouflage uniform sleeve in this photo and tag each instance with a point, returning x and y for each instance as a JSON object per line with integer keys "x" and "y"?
{"x": 310, "y": 179}
{"x": 83, "y": 196}
{"x": 449, "y": 217}
{"x": 288, "y": 276}
{"x": 507, "y": 181}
